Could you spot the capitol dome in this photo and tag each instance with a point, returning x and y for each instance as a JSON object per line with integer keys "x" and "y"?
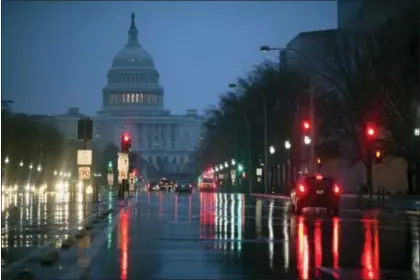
{"x": 133, "y": 81}
{"x": 133, "y": 54}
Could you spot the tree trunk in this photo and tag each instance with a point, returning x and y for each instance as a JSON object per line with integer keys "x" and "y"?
{"x": 410, "y": 178}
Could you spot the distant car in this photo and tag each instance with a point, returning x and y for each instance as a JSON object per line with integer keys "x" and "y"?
{"x": 316, "y": 191}
{"x": 183, "y": 186}
{"x": 207, "y": 184}
{"x": 166, "y": 184}
{"x": 153, "y": 186}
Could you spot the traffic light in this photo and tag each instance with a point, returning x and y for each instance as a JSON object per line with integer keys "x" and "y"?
{"x": 306, "y": 125}
{"x": 125, "y": 143}
{"x": 240, "y": 168}
{"x": 84, "y": 129}
{"x": 378, "y": 156}
{"x": 370, "y": 131}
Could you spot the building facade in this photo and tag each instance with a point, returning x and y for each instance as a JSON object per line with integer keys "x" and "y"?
{"x": 366, "y": 14}
{"x": 133, "y": 103}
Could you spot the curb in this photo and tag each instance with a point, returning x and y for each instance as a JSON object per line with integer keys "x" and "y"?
{"x": 79, "y": 269}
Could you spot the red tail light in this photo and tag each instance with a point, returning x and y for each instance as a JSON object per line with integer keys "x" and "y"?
{"x": 214, "y": 185}
{"x": 336, "y": 189}
{"x": 302, "y": 188}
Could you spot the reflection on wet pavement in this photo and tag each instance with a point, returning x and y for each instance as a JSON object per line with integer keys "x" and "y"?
{"x": 228, "y": 236}
{"x": 31, "y": 219}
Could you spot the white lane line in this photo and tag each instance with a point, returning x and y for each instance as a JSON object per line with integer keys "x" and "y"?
{"x": 78, "y": 270}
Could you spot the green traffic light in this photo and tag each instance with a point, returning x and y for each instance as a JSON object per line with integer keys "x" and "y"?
{"x": 110, "y": 164}
{"x": 240, "y": 167}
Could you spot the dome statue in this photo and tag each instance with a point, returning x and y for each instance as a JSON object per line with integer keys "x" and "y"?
{"x": 133, "y": 55}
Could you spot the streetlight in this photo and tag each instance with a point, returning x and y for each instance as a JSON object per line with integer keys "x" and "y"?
{"x": 6, "y": 160}
{"x": 287, "y": 145}
{"x": 226, "y": 164}
{"x": 55, "y": 172}
{"x": 417, "y": 131}
{"x": 220, "y": 166}
{"x": 248, "y": 127}
{"x": 307, "y": 140}
{"x": 266, "y": 48}
{"x": 21, "y": 163}
{"x": 217, "y": 169}
{"x": 39, "y": 168}
{"x": 272, "y": 150}
{"x": 233, "y": 162}
{"x": 31, "y": 166}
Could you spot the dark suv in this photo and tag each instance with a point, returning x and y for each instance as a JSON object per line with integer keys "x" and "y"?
{"x": 316, "y": 191}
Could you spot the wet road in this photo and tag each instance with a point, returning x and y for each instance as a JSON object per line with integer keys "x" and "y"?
{"x": 232, "y": 236}
{"x": 36, "y": 218}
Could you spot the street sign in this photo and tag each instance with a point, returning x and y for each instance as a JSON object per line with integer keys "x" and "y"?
{"x": 84, "y": 173}
{"x": 122, "y": 162}
{"x": 84, "y": 157}
{"x": 233, "y": 175}
{"x": 122, "y": 174}
{"x": 110, "y": 178}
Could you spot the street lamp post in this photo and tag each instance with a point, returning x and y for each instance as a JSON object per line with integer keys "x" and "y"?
{"x": 248, "y": 127}
{"x": 266, "y": 48}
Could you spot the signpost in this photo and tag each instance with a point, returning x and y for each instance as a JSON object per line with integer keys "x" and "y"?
{"x": 122, "y": 166}
{"x": 84, "y": 157}
{"x": 110, "y": 178}
{"x": 84, "y": 172}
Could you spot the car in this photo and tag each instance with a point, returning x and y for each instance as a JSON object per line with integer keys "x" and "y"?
{"x": 153, "y": 186}
{"x": 316, "y": 191}
{"x": 166, "y": 184}
{"x": 183, "y": 186}
{"x": 207, "y": 184}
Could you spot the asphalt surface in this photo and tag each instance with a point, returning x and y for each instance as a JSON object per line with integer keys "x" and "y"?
{"x": 162, "y": 235}
{"x": 233, "y": 236}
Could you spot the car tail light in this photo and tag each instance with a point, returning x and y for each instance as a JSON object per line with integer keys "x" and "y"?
{"x": 301, "y": 188}
{"x": 214, "y": 185}
{"x": 336, "y": 189}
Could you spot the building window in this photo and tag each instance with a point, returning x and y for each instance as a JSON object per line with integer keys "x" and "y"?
{"x": 132, "y": 98}
{"x": 137, "y": 98}
{"x": 123, "y": 97}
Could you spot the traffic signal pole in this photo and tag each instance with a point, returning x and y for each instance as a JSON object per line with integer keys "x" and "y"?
{"x": 312, "y": 157}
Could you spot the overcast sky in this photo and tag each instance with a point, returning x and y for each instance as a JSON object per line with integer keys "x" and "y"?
{"x": 56, "y": 54}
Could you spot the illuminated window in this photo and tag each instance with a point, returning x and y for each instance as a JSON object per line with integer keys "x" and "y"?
{"x": 132, "y": 97}
{"x": 137, "y": 98}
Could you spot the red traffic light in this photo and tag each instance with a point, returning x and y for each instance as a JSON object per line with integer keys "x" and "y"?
{"x": 306, "y": 125}
{"x": 126, "y": 137}
{"x": 125, "y": 143}
{"x": 370, "y": 131}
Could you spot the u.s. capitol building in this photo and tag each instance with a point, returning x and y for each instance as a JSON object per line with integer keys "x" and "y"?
{"x": 133, "y": 102}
